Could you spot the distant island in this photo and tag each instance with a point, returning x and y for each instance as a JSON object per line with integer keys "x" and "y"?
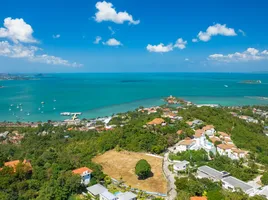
{"x": 10, "y": 77}
{"x": 251, "y": 81}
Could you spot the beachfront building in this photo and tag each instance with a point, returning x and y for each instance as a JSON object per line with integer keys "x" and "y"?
{"x": 180, "y": 166}
{"x": 232, "y": 183}
{"x": 85, "y": 174}
{"x": 210, "y": 173}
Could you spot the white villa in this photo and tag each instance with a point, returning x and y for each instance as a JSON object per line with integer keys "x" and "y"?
{"x": 85, "y": 174}
{"x": 180, "y": 165}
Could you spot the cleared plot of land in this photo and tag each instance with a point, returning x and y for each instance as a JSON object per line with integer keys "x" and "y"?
{"x": 122, "y": 165}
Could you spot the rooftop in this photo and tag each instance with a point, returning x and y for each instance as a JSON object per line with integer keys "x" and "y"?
{"x": 82, "y": 170}
{"x": 224, "y": 146}
{"x": 126, "y": 196}
{"x": 210, "y": 171}
{"x": 96, "y": 189}
{"x": 198, "y": 198}
{"x": 156, "y": 121}
{"x": 237, "y": 183}
{"x": 186, "y": 142}
{"x": 198, "y": 133}
{"x": 108, "y": 195}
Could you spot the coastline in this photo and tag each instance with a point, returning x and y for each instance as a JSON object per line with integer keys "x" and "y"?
{"x": 108, "y": 111}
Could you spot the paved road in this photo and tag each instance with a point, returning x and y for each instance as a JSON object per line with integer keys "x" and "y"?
{"x": 172, "y": 193}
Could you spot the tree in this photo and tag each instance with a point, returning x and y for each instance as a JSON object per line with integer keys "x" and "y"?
{"x": 143, "y": 169}
{"x": 264, "y": 178}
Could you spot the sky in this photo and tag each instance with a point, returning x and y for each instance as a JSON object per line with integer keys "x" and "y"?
{"x": 133, "y": 36}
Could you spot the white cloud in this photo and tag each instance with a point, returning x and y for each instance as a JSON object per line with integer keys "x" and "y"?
{"x": 56, "y": 36}
{"x": 30, "y": 53}
{"x": 97, "y": 40}
{"x": 160, "y": 48}
{"x": 215, "y": 30}
{"x": 186, "y": 59}
{"x": 180, "y": 43}
{"x": 17, "y": 31}
{"x": 106, "y": 12}
{"x": 242, "y": 32}
{"x": 111, "y": 29}
{"x": 194, "y": 40}
{"x": 112, "y": 42}
{"x": 251, "y": 54}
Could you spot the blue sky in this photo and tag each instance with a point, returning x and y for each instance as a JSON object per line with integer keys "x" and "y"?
{"x": 136, "y": 36}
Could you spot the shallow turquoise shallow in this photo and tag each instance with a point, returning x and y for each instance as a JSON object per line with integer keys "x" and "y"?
{"x": 104, "y": 94}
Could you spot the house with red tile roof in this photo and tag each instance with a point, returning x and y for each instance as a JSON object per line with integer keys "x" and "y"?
{"x": 198, "y": 198}
{"x": 13, "y": 164}
{"x": 157, "y": 121}
{"x": 85, "y": 174}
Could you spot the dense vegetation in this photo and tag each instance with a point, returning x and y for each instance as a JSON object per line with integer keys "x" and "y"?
{"x": 143, "y": 169}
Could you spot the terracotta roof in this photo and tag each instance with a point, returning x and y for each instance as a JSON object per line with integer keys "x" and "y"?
{"x": 13, "y": 164}
{"x": 227, "y": 140}
{"x": 189, "y": 123}
{"x": 208, "y": 127}
{"x": 156, "y": 121}
{"x": 179, "y": 132}
{"x": 237, "y": 150}
{"x": 214, "y": 139}
{"x": 198, "y": 198}
{"x": 198, "y": 133}
{"x": 224, "y": 146}
{"x": 81, "y": 170}
{"x": 186, "y": 142}
{"x": 223, "y": 134}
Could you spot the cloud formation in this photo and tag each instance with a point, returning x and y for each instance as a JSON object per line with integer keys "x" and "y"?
{"x": 180, "y": 43}
{"x": 111, "y": 29}
{"x": 112, "y": 42}
{"x": 97, "y": 40}
{"x": 251, "y": 54}
{"x": 30, "y": 53}
{"x": 106, "y": 12}
{"x": 160, "y": 48}
{"x": 215, "y": 30}
{"x": 17, "y": 31}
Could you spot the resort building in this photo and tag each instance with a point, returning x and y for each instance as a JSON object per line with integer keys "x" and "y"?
{"x": 209, "y": 130}
{"x": 180, "y": 166}
{"x": 232, "y": 183}
{"x": 224, "y": 149}
{"x": 231, "y": 151}
{"x": 85, "y": 174}
{"x": 127, "y": 196}
{"x": 184, "y": 145}
{"x": 210, "y": 173}
{"x": 96, "y": 190}
{"x": 107, "y": 196}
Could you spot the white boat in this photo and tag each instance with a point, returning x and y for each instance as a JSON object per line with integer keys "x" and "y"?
{"x": 54, "y": 108}
{"x": 39, "y": 108}
{"x": 54, "y": 100}
{"x": 9, "y": 109}
{"x": 18, "y": 107}
{"x": 42, "y": 102}
{"x": 226, "y": 86}
{"x": 11, "y": 105}
{"x": 42, "y": 112}
{"x": 21, "y": 109}
{"x": 28, "y": 114}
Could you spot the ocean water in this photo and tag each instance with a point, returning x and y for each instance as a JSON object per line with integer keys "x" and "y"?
{"x": 103, "y": 94}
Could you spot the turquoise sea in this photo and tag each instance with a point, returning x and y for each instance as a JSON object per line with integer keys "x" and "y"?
{"x": 102, "y": 94}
